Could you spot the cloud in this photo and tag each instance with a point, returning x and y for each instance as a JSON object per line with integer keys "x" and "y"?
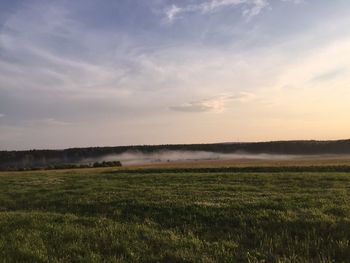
{"x": 47, "y": 122}
{"x": 329, "y": 75}
{"x": 250, "y": 7}
{"x": 295, "y": 1}
{"x": 242, "y": 96}
{"x": 2, "y": 115}
{"x": 319, "y": 66}
{"x": 255, "y": 9}
{"x": 206, "y": 105}
{"x": 217, "y": 104}
{"x": 172, "y": 12}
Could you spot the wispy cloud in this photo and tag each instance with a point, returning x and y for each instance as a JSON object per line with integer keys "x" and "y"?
{"x": 242, "y": 96}
{"x": 46, "y": 122}
{"x": 255, "y": 8}
{"x": 216, "y": 104}
{"x": 250, "y": 7}
{"x": 2, "y": 115}
{"x": 173, "y": 11}
{"x": 329, "y": 75}
{"x": 295, "y": 1}
{"x": 206, "y": 105}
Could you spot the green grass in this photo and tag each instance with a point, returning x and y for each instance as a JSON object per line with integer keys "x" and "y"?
{"x": 103, "y": 216}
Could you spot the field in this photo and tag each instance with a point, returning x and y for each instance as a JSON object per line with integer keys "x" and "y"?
{"x": 174, "y": 215}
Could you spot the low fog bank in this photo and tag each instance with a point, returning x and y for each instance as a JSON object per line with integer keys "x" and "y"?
{"x": 334, "y": 152}
{"x": 139, "y": 158}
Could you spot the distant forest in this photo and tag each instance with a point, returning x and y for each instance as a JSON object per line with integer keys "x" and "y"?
{"x": 16, "y": 160}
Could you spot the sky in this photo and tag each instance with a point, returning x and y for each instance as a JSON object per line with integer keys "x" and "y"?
{"x": 129, "y": 72}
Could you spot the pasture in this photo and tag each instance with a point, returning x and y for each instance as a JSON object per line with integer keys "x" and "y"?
{"x": 174, "y": 215}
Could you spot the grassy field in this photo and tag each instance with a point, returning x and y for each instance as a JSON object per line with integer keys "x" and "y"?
{"x": 106, "y": 215}
{"x": 299, "y": 161}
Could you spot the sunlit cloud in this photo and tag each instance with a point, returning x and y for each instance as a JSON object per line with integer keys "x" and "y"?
{"x": 216, "y": 104}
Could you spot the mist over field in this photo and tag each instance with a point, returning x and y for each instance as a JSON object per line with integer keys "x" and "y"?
{"x": 278, "y": 151}
{"x": 137, "y": 158}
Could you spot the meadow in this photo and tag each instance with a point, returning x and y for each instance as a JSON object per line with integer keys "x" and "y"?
{"x": 175, "y": 215}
